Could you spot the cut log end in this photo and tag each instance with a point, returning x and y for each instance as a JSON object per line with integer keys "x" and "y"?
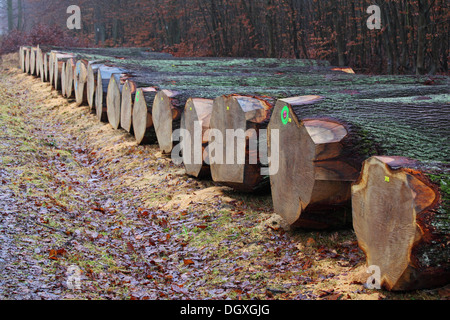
{"x": 233, "y": 162}
{"x": 395, "y": 219}
{"x": 126, "y": 110}
{"x": 196, "y": 121}
{"x": 144, "y": 131}
{"x": 100, "y": 98}
{"x": 312, "y": 186}
{"x": 113, "y": 101}
{"x": 167, "y": 118}
{"x": 80, "y": 81}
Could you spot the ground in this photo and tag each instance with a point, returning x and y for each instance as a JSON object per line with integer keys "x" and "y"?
{"x": 79, "y": 198}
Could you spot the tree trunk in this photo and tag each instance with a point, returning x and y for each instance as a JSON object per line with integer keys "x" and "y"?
{"x": 233, "y": 158}
{"x": 421, "y": 38}
{"x": 9, "y": 9}
{"x": 196, "y": 120}
{"x": 144, "y": 132}
{"x": 400, "y": 217}
{"x": 19, "y": 15}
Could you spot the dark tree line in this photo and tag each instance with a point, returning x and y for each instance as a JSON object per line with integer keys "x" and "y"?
{"x": 414, "y": 34}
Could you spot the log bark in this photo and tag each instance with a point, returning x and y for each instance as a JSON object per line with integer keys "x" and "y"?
{"x": 167, "y": 110}
{"x": 318, "y": 160}
{"x": 127, "y": 103}
{"x": 143, "y": 128}
{"x": 196, "y": 120}
{"x": 401, "y": 219}
{"x": 233, "y": 161}
{"x": 80, "y": 82}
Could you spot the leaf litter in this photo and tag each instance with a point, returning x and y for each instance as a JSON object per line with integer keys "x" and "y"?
{"x": 74, "y": 192}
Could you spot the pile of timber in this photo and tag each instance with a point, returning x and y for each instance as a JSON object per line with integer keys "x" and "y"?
{"x": 332, "y": 156}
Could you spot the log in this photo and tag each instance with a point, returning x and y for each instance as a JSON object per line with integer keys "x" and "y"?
{"x": 143, "y": 128}
{"x": 27, "y": 59}
{"x": 101, "y": 91}
{"x": 33, "y": 63}
{"x": 51, "y": 67}
{"x": 59, "y": 59}
{"x": 80, "y": 82}
{"x": 69, "y": 74}
{"x": 401, "y": 213}
{"x": 197, "y": 115}
{"x": 114, "y": 100}
{"x": 104, "y": 75}
{"x": 319, "y": 159}
{"x": 44, "y": 67}
{"x": 21, "y": 59}
{"x": 233, "y": 161}
{"x": 126, "y": 108}
{"x": 38, "y": 61}
{"x": 91, "y": 82}
{"x": 167, "y": 110}
{"x": 63, "y": 79}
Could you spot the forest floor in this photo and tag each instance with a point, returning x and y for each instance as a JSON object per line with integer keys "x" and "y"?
{"x": 77, "y": 197}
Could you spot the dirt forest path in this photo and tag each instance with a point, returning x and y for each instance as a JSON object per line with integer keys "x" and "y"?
{"x": 77, "y": 197}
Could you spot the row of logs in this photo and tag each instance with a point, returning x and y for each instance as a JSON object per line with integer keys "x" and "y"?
{"x": 318, "y": 169}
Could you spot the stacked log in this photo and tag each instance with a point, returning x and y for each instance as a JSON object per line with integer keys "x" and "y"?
{"x": 44, "y": 66}
{"x": 91, "y": 82}
{"x": 167, "y": 110}
{"x": 69, "y": 78}
{"x": 400, "y": 216}
{"x": 327, "y": 168}
{"x": 196, "y": 121}
{"x": 234, "y": 162}
{"x": 319, "y": 158}
{"x": 126, "y": 107}
{"x": 80, "y": 82}
{"x": 27, "y": 55}
{"x": 21, "y": 59}
{"x": 33, "y": 62}
{"x": 143, "y": 128}
{"x": 104, "y": 75}
{"x": 114, "y": 99}
{"x": 59, "y": 61}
